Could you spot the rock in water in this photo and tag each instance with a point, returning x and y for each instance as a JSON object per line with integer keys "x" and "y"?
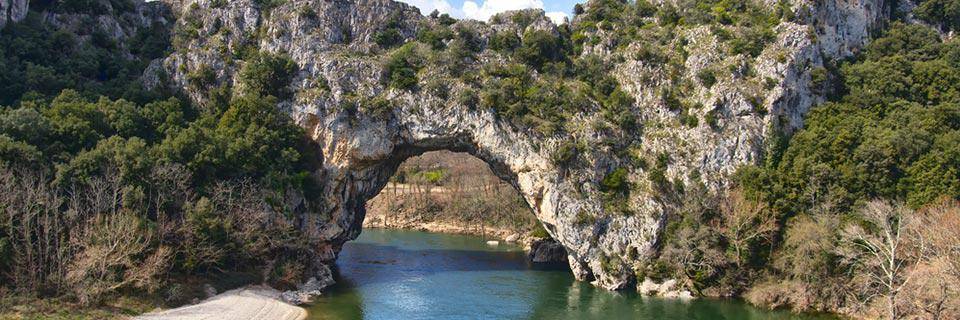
{"x": 547, "y": 251}
{"x": 667, "y": 289}
{"x": 312, "y": 288}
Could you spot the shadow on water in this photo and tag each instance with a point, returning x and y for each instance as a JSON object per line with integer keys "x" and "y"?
{"x": 368, "y": 263}
{"x": 415, "y": 275}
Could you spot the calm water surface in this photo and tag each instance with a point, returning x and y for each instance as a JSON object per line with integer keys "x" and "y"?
{"x": 390, "y": 274}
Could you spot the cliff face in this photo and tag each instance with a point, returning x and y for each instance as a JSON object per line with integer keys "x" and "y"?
{"x": 12, "y": 11}
{"x": 332, "y": 42}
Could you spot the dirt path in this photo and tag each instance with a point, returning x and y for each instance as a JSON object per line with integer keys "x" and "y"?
{"x": 252, "y": 303}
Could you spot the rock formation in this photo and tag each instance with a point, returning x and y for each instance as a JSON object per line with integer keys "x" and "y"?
{"x": 547, "y": 251}
{"x": 12, "y": 11}
{"x": 333, "y": 44}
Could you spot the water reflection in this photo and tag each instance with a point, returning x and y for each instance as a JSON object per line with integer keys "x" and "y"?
{"x": 414, "y": 275}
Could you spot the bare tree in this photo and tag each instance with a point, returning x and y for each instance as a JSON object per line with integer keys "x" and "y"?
{"x": 743, "y": 221}
{"x": 933, "y": 241}
{"x": 877, "y": 252}
{"x": 107, "y": 260}
{"x": 30, "y": 210}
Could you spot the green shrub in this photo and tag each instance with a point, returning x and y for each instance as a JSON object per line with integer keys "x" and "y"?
{"x": 616, "y": 182}
{"x": 584, "y": 218}
{"x": 565, "y": 154}
{"x": 818, "y": 78}
{"x": 707, "y": 77}
{"x": 389, "y": 34}
{"x": 402, "y": 67}
{"x": 268, "y": 74}
{"x": 539, "y": 47}
{"x": 539, "y": 232}
{"x": 202, "y": 77}
{"x": 388, "y": 38}
{"x": 751, "y": 41}
{"x": 435, "y": 37}
{"x": 468, "y": 98}
{"x": 504, "y": 41}
{"x": 378, "y": 106}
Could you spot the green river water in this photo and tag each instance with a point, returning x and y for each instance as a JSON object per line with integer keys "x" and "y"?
{"x": 390, "y": 274}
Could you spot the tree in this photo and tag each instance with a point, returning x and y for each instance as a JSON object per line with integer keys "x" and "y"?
{"x": 268, "y": 74}
{"x": 108, "y": 260}
{"x": 933, "y": 241}
{"x": 945, "y": 13}
{"x": 539, "y": 47}
{"x": 876, "y": 250}
{"x": 744, "y": 222}
{"x": 809, "y": 244}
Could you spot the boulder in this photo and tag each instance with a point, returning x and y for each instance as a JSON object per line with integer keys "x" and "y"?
{"x": 312, "y": 288}
{"x": 209, "y": 290}
{"x": 547, "y": 251}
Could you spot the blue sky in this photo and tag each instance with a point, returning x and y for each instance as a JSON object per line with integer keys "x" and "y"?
{"x": 483, "y": 9}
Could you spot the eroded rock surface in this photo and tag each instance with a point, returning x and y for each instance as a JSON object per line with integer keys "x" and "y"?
{"x": 12, "y": 11}
{"x": 547, "y": 251}
{"x": 332, "y": 42}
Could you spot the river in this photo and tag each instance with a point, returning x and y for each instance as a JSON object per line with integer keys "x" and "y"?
{"x": 391, "y": 274}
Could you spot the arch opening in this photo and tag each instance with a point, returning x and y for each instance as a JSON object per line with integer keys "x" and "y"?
{"x": 453, "y": 192}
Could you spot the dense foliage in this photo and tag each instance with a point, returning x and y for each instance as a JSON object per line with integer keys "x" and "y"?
{"x": 892, "y": 133}
{"x": 895, "y": 134}
{"x": 92, "y": 159}
{"x": 39, "y": 60}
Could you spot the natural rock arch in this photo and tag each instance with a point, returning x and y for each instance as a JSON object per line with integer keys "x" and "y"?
{"x": 360, "y": 159}
{"x": 333, "y": 44}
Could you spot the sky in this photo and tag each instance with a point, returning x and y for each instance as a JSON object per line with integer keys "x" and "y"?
{"x": 484, "y": 9}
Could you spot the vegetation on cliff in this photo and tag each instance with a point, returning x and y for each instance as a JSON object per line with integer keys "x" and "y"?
{"x": 96, "y": 167}
{"x": 819, "y": 236}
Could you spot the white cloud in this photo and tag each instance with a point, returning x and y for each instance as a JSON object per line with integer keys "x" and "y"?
{"x": 427, "y": 6}
{"x": 483, "y": 9}
{"x": 558, "y": 17}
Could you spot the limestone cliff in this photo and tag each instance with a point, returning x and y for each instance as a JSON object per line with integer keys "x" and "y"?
{"x": 12, "y": 11}
{"x": 333, "y": 44}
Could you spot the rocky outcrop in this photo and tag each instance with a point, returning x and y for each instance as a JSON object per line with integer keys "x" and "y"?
{"x": 99, "y": 17}
{"x": 843, "y": 27}
{"x": 547, "y": 251}
{"x": 312, "y": 288}
{"x": 667, "y": 289}
{"x": 360, "y": 148}
{"x": 13, "y": 11}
